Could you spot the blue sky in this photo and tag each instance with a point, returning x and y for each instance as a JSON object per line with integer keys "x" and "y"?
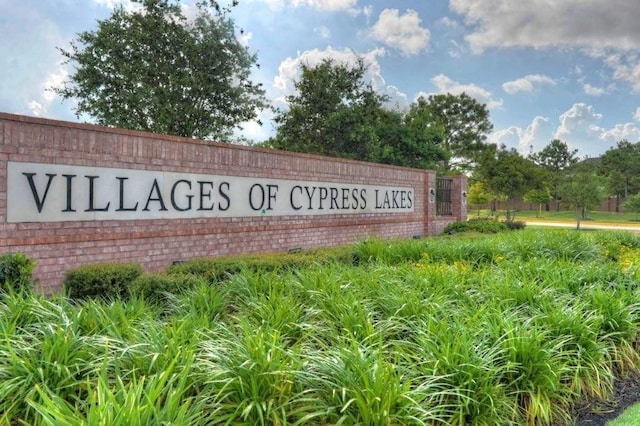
{"x": 567, "y": 69}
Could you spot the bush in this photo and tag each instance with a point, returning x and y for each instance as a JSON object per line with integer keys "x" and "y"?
{"x": 108, "y": 280}
{"x": 481, "y": 225}
{"x": 218, "y": 269}
{"x": 514, "y": 225}
{"x": 15, "y": 272}
{"x": 154, "y": 288}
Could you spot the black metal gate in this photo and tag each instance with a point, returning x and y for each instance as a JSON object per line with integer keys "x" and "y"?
{"x": 443, "y": 196}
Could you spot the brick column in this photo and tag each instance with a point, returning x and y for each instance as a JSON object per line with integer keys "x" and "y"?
{"x": 430, "y": 203}
{"x": 459, "y": 198}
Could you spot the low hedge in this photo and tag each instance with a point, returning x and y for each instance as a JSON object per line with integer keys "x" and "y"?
{"x": 483, "y": 226}
{"x": 107, "y": 280}
{"x": 218, "y": 269}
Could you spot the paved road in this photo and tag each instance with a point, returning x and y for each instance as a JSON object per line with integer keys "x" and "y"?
{"x": 588, "y": 225}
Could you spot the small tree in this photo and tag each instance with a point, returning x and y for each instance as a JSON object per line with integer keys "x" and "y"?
{"x": 478, "y": 195}
{"x": 555, "y": 158}
{"x": 538, "y": 196}
{"x": 507, "y": 173}
{"x": 633, "y": 204}
{"x": 582, "y": 191}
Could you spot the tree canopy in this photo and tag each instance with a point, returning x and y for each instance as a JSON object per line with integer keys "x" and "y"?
{"x": 154, "y": 70}
{"x": 582, "y": 190}
{"x": 505, "y": 172}
{"x": 460, "y": 122}
{"x": 333, "y": 112}
{"x": 555, "y": 159}
{"x": 622, "y": 167}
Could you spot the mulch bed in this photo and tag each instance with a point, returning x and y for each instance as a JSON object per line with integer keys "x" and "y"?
{"x": 598, "y": 413}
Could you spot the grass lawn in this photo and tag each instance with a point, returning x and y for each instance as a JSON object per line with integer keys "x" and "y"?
{"x": 511, "y": 328}
{"x": 631, "y": 417}
{"x": 564, "y": 216}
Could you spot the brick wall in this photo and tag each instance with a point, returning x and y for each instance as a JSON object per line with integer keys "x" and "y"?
{"x": 58, "y": 246}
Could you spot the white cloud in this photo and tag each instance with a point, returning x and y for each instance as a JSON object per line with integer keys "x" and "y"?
{"x": 627, "y": 131}
{"x": 579, "y": 127}
{"x": 636, "y": 115}
{"x": 526, "y": 83}
{"x": 331, "y": 5}
{"x": 540, "y": 23}
{"x": 126, "y": 4}
{"x": 402, "y": 32}
{"x": 244, "y": 37}
{"x": 258, "y": 130}
{"x": 536, "y": 136}
{"x": 368, "y": 12}
{"x": 450, "y": 23}
{"x": 445, "y": 84}
{"x": 458, "y": 50}
{"x": 625, "y": 67}
{"x": 36, "y": 109}
{"x": 580, "y": 121}
{"x": 593, "y": 91}
{"x": 289, "y": 72}
{"x": 323, "y": 31}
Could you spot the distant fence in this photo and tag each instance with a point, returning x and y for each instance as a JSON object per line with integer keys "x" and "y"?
{"x": 72, "y": 194}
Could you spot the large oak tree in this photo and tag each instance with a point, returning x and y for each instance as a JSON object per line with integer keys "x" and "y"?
{"x": 152, "y": 69}
{"x": 462, "y": 125}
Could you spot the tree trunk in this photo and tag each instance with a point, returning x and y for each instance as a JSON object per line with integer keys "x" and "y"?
{"x": 578, "y": 214}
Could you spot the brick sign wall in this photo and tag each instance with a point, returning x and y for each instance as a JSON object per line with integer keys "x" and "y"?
{"x": 72, "y": 194}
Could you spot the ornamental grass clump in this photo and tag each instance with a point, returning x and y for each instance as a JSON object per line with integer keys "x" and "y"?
{"x": 501, "y": 329}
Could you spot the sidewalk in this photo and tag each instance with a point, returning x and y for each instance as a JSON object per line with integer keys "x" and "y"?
{"x": 586, "y": 224}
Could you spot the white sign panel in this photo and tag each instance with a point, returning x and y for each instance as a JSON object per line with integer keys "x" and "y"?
{"x": 53, "y": 193}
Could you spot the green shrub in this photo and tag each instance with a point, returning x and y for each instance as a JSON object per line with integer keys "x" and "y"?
{"x": 108, "y": 280}
{"x": 154, "y": 288}
{"x": 514, "y": 225}
{"x": 481, "y": 225}
{"x": 15, "y": 272}
{"x": 218, "y": 269}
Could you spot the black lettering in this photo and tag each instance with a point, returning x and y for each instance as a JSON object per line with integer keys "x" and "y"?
{"x": 69, "y": 178}
{"x": 293, "y": 206}
{"x": 39, "y": 201}
{"x": 394, "y": 195}
{"x": 310, "y": 195}
{"x": 410, "y": 198}
{"x": 92, "y": 208}
{"x": 204, "y": 195}
{"x": 403, "y": 199}
{"x": 173, "y": 196}
{"x": 345, "y": 198}
{"x": 272, "y": 191}
{"x": 363, "y": 197}
{"x": 378, "y": 205}
{"x": 354, "y": 197}
{"x": 334, "y": 198}
{"x": 262, "y": 196}
{"x": 122, "y": 208}
{"x": 224, "y": 195}
{"x": 323, "y": 196}
{"x": 386, "y": 203}
{"x": 155, "y": 188}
